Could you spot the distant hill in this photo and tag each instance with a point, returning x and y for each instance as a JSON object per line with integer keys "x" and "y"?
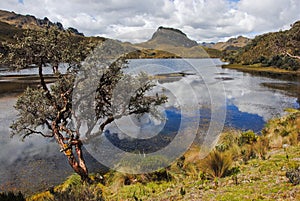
{"x": 279, "y": 49}
{"x": 210, "y": 45}
{"x": 176, "y": 42}
{"x": 232, "y": 44}
{"x": 31, "y": 22}
{"x": 169, "y": 36}
{"x": 165, "y": 42}
{"x": 7, "y": 31}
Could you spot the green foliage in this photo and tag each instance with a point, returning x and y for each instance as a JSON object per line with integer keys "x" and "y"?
{"x": 81, "y": 193}
{"x": 248, "y": 137}
{"x": 73, "y": 180}
{"x": 43, "y": 47}
{"x": 248, "y": 153}
{"x": 104, "y": 92}
{"x": 294, "y": 175}
{"x": 222, "y": 147}
{"x": 278, "y": 49}
{"x": 283, "y": 130}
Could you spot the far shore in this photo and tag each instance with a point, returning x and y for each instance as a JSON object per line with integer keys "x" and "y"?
{"x": 264, "y": 71}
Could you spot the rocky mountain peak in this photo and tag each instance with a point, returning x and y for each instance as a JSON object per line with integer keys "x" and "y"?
{"x": 171, "y": 36}
{"x": 31, "y": 22}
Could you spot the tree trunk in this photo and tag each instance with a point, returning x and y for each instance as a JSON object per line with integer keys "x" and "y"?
{"x": 77, "y": 167}
{"x": 77, "y": 164}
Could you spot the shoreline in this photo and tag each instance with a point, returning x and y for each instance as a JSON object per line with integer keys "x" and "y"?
{"x": 263, "y": 71}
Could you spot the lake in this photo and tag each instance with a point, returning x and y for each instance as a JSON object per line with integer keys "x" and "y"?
{"x": 199, "y": 91}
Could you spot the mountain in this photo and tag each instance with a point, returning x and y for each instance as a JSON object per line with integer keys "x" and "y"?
{"x": 176, "y": 42}
{"x": 169, "y": 36}
{"x": 7, "y": 31}
{"x": 165, "y": 42}
{"x": 279, "y": 49}
{"x": 205, "y": 44}
{"x": 232, "y": 44}
{"x": 31, "y": 22}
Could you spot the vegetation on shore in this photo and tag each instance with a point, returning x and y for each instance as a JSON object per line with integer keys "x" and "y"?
{"x": 278, "y": 49}
{"x": 258, "y": 69}
{"x": 242, "y": 166}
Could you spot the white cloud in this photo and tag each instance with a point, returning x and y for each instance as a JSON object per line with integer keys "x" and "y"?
{"x": 135, "y": 21}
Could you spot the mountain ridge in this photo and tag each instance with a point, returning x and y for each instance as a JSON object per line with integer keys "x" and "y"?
{"x": 232, "y": 43}
{"x": 175, "y": 41}
{"x": 279, "y": 49}
{"x": 31, "y": 22}
{"x": 165, "y": 43}
{"x": 169, "y": 36}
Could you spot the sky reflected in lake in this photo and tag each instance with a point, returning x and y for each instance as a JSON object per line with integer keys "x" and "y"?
{"x": 247, "y": 101}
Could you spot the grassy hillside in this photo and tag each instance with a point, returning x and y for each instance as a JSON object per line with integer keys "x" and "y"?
{"x": 189, "y": 52}
{"x": 150, "y": 54}
{"x": 31, "y": 22}
{"x": 243, "y": 166}
{"x": 232, "y": 44}
{"x": 279, "y": 49}
{"x": 8, "y": 31}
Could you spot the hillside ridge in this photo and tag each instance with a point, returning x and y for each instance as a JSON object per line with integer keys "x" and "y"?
{"x": 31, "y": 22}
{"x": 279, "y": 49}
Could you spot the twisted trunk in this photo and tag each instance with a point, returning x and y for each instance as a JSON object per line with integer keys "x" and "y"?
{"x": 77, "y": 163}
{"x": 66, "y": 144}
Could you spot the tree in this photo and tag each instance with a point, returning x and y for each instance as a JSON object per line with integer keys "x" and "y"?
{"x": 57, "y": 112}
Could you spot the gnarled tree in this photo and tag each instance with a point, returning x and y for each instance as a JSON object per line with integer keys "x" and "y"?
{"x": 55, "y": 111}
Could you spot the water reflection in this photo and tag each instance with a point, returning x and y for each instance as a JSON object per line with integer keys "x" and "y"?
{"x": 250, "y": 101}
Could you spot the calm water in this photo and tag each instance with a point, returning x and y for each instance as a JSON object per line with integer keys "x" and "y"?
{"x": 206, "y": 94}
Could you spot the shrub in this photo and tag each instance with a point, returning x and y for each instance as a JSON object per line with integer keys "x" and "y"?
{"x": 216, "y": 164}
{"x": 261, "y": 147}
{"x": 83, "y": 192}
{"x": 72, "y": 189}
{"x": 222, "y": 147}
{"x": 248, "y": 137}
{"x": 294, "y": 175}
{"x": 248, "y": 153}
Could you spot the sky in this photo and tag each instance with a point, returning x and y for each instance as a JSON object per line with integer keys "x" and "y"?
{"x": 136, "y": 20}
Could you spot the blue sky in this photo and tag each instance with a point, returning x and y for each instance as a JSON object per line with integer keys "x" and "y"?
{"x": 135, "y": 21}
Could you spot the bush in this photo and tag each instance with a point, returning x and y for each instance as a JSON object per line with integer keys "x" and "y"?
{"x": 72, "y": 189}
{"x": 216, "y": 164}
{"x": 83, "y": 192}
{"x": 248, "y": 153}
{"x": 248, "y": 137}
{"x": 261, "y": 147}
{"x": 294, "y": 175}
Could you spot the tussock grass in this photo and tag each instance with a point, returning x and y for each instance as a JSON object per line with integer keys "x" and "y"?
{"x": 241, "y": 167}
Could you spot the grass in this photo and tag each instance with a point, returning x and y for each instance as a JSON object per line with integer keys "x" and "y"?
{"x": 257, "y": 68}
{"x": 257, "y": 180}
{"x": 217, "y": 164}
{"x": 255, "y": 171}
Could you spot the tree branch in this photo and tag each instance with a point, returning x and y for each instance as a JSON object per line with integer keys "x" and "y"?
{"x": 293, "y": 56}
{"x": 31, "y": 131}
